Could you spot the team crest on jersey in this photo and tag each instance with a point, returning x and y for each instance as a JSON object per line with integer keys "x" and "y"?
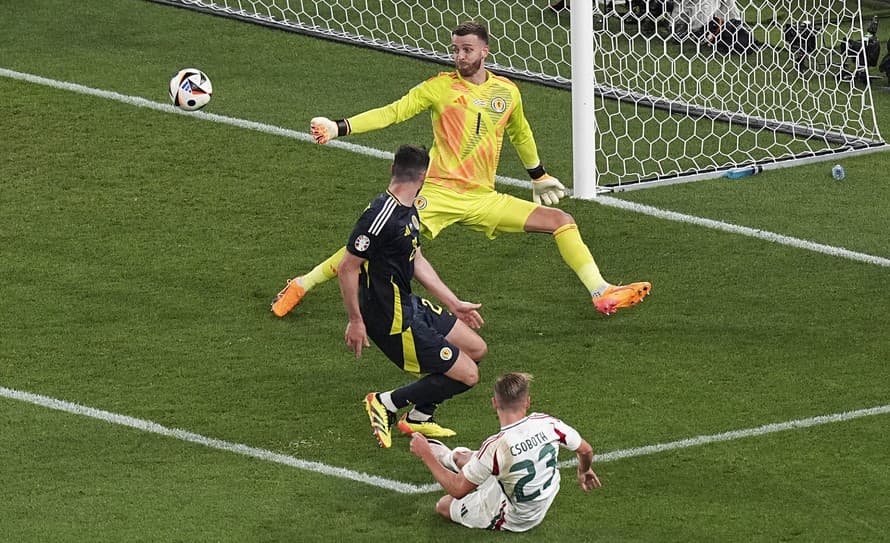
{"x": 420, "y": 202}
{"x": 499, "y": 105}
{"x": 445, "y": 353}
{"x": 415, "y": 222}
{"x": 362, "y": 243}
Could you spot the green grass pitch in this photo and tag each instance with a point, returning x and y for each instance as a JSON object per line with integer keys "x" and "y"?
{"x": 139, "y": 251}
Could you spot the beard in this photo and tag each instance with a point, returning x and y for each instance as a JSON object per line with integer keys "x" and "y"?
{"x": 469, "y": 69}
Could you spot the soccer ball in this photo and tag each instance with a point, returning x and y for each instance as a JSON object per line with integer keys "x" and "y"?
{"x": 190, "y": 89}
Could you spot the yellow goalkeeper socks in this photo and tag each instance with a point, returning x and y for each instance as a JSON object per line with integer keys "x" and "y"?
{"x": 578, "y": 257}
{"x": 325, "y": 271}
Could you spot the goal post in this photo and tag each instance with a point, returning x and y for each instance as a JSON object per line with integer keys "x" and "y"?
{"x": 663, "y": 91}
{"x": 698, "y": 89}
{"x": 584, "y": 129}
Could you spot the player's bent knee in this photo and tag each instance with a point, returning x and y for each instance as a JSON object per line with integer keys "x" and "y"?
{"x": 464, "y": 370}
{"x": 562, "y": 218}
{"x": 471, "y": 378}
{"x": 468, "y": 341}
{"x": 477, "y": 350}
{"x": 547, "y": 219}
{"x": 481, "y": 354}
{"x": 443, "y": 506}
{"x": 465, "y": 337}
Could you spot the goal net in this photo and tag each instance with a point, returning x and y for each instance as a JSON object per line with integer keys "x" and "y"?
{"x": 677, "y": 90}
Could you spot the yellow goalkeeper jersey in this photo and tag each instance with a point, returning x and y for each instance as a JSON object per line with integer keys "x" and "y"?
{"x": 469, "y": 122}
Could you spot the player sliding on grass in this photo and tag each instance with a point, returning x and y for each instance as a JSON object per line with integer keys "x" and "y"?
{"x": 511, "y": 481}
{"x": 383, "y": 255}
{"x": 471, "y": 109}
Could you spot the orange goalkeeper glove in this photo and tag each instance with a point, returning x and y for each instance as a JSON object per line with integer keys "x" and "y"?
{"x": 547, "y": 190}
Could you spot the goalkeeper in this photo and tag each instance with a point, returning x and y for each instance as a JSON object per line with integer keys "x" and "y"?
{"x": 471, "y": 109}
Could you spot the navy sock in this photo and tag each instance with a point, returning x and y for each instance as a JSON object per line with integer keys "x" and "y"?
{"x": 428, "y": 392}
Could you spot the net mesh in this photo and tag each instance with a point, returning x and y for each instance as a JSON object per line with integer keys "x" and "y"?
{"x": 682, "y": 87}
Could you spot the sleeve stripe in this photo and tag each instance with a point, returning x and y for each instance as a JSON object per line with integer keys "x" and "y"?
{"x": 488, "y": 442}
{"x": 382, "y": 217}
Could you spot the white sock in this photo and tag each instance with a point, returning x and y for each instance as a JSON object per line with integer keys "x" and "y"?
{"x": 600, "y": 290}
{"x": 447, "y": 460}
{"x": 444, "y": 455}
{"x": 386, "y": 400}
{"x": 419, "y": 416}
{"x": 454, "y": 452}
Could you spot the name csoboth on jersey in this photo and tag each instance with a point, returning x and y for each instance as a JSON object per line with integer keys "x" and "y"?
{"x": 524, "y": 446}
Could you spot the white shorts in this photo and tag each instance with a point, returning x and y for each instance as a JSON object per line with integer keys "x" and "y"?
{"x": 483, "y": 508}
{"x": 488, "y": 508}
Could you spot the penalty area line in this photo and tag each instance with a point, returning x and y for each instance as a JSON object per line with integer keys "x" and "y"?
{"x": 398, "y": 486}
{"x": 772, "y": 237}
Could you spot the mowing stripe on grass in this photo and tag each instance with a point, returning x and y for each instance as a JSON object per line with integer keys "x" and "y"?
{"x": 398, "y": 486}
{"x": 369, "y": 151}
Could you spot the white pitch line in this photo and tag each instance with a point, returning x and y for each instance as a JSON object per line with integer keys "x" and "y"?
{"x": 398, "y": 486}
{"x": 169, "y": 108}
{"x": 183, "y": 435}
{"x": 839, "y": 252}
{"x": 377, "y": 153}
{"x": 736, "y": 434}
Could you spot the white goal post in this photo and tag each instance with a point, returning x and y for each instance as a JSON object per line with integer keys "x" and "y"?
{"x": 663, "y": 91}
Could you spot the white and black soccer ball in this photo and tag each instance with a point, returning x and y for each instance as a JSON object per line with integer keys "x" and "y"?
{"x": 190, "y": 89}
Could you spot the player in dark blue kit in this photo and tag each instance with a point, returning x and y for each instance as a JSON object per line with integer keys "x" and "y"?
{"x": 383, "y": 255}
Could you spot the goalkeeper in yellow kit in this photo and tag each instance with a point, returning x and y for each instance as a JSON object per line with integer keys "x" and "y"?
{"x": 471, "y": 109}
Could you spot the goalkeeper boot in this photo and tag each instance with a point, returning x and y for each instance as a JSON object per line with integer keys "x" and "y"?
{"x": 428, "y": 427}
{"x": 616, "y": 297}
{"x": 289, "y": 297}
{"x": 381, "y": 420}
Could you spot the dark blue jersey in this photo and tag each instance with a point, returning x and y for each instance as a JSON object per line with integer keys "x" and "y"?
{"x": 387, "y": 235}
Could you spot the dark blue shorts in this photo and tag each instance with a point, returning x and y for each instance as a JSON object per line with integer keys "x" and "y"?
{"x": 422, "y": 347}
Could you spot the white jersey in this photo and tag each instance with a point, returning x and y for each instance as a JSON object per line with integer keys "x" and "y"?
{"x": 522, "y": 458}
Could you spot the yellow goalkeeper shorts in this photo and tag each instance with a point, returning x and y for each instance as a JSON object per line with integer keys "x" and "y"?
{"x": 490, "y": 212}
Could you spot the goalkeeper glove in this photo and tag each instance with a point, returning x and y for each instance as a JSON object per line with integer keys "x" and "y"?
{"x": 547, "y": 190}
{"x": 324, "y": 129}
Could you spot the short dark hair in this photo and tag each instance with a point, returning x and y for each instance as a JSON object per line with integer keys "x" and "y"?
{"x": 511, "y": 390}
{"x": 471, "y": 27}
{"x": 410, "y": 164}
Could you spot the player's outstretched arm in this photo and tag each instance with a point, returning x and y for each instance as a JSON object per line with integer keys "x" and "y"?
{"x": 427, "y": 276}
{"x": 356, "y": 334}
{"x": 418, "y": 99}
{"x": 586, "y": 476}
